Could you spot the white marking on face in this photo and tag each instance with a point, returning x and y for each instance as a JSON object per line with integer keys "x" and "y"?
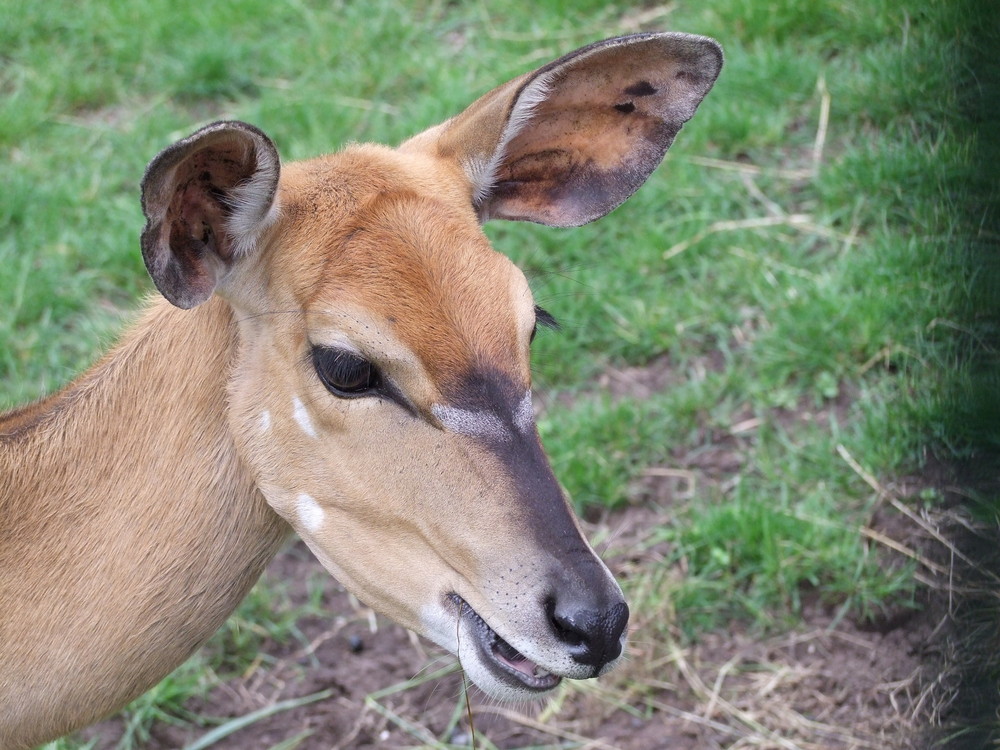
{"x": 478, "y": 424}
{"x": 265, "y": 421}
{"x": 310, "y": 514}
{"x": 302, "y": 417}
{"x": 524, "y": 414}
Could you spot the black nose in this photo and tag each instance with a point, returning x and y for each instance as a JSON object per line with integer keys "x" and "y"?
{"x": 594, "y": 636}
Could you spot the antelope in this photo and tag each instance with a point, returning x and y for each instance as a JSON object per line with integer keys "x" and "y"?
{"x": 338, "y": 352}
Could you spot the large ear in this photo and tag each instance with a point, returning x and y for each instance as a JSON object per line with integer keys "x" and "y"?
{"x": 207, "y": 199}
{"x": 568, "y": 143}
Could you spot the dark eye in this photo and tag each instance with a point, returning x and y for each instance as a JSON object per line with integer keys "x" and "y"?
{"x": 344, "y": 373}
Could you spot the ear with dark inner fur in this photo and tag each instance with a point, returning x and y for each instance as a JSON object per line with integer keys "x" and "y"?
{"x": 207, "y": 199}
{"x": 571, "y": 141}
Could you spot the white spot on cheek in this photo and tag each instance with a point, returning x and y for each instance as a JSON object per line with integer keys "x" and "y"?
{"x": 310, "y": 514}
{"x": 480, "y": 424}
{"x": 265, "y": 421}
{"x": 302, "y": 417}
{"x": 524, "y": 414}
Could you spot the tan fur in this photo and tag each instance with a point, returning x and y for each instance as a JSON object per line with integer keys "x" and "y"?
{"x": 139, "y": 505}
{"x": 126, "y": 581}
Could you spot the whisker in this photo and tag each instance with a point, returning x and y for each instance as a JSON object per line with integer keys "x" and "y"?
{"x": 266, "y": 313}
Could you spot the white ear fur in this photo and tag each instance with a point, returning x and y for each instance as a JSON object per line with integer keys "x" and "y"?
{"x": 253, "y": 203}
{"x": 483, "y": 173}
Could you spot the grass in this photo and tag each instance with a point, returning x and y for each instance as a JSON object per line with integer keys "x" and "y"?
{"x": 789, "y": 259}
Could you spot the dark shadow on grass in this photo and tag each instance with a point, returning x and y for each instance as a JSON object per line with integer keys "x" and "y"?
{"x": 969, "y": 677}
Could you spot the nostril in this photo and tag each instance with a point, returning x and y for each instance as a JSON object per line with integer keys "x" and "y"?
{"x": 593, "y": 636}
{"x": 567, "y": 629}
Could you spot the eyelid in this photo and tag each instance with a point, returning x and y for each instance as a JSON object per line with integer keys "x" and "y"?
{"x": 339, "y": 342}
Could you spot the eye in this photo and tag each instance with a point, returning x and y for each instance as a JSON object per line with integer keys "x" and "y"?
{"x": 344, "y": 373}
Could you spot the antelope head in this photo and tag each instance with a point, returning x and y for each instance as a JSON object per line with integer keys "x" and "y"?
{"x": 381, "y": 391}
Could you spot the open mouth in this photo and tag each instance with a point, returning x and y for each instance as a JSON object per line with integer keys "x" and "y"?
{"x": 503, "y": 660}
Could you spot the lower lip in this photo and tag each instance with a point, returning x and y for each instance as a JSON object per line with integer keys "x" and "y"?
{"x": 526, "y": 675}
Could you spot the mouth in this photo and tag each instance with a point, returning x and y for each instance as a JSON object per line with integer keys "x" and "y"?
{"x": 504, "y": 661}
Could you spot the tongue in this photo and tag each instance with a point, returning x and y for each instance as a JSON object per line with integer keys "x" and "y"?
{"x": 513, "y": 658}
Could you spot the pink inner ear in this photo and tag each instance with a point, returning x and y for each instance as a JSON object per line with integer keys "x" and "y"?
{"x": 207, "y": 198}
{"x": 606, "y": 118}
{"x": 199, "y": 205}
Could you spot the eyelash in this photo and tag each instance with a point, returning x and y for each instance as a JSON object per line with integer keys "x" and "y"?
{"x": 545, "y": 319}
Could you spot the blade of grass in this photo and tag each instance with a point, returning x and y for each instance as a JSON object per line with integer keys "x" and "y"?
{"x": 242, "y": 722}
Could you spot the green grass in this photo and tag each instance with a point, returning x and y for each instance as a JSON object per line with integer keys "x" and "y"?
{"x": 842, "y": 313}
